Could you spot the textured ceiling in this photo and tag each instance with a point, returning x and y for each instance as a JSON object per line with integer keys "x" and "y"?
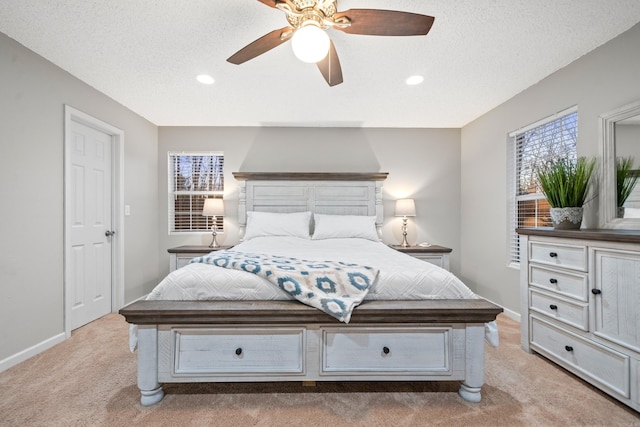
{"x": 145, "y": 54}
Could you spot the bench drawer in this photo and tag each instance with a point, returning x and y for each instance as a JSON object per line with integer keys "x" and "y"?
{"x": 238, "y": 351}
{"x": 384, "y": 350}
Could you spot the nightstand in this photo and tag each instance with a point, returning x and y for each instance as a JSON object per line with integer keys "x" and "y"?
{"x": 434, "y": 254}
{"x": 181, "y": 255}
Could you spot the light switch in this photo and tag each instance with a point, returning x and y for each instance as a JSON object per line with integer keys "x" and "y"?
{"x": 127, "y": 210}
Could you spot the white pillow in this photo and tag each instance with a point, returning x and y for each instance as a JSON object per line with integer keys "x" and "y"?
{"x": 345, "y": 226}
{"x": 261, "y": 224}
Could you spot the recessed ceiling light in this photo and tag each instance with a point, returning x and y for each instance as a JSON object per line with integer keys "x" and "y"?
{"x": 414, "y": 80}
{"x": 205, "y": 79}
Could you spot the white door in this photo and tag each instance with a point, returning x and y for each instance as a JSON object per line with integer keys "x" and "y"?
{"x": 90, "y": 224}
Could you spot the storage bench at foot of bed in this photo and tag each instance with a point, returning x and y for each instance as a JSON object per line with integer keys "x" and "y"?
{"x": 217, "y": 341}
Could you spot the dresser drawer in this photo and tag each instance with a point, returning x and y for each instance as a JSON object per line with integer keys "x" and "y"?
{"x": 238, "y": 351}
{"x": 565, "y": 311}
{"x": 574, "y": 285}
{"x": 370, "y": 351}
{"x": 600, "y": 365}
{"x": 567, "y": 256}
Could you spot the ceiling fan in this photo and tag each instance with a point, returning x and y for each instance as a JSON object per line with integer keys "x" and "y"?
{"x": 308, "y": 20}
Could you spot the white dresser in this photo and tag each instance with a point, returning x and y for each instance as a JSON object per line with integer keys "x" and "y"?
{"x": 580, "y": 294}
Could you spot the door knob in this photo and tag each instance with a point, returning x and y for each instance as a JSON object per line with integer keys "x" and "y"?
{"x": 109, "y": 233}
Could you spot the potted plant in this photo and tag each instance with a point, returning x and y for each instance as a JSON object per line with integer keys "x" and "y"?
{"x": 626, "y": 179}
{"x": 565, "y": 183}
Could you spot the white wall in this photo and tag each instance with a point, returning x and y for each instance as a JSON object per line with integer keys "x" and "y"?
{"x": 606, "y": 78}
{"x": 422, "y": 163}
{"x": 33, "y": 93}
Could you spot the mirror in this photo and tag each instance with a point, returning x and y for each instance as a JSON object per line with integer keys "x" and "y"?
{"x": 620, "y": 138}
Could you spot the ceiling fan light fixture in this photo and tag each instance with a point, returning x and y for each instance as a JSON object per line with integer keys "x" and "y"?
{"x": 310, "y": 43}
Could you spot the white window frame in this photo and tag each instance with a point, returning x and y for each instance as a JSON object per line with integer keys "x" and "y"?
{"x": 513, "y": 241}
{"x": 204, "y": 194}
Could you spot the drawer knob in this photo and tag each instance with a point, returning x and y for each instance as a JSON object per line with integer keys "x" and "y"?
{"x": 568, "y": 348}
{"x": 596, "y": 291}
{"x": 238, "y": 351}
{"x": 553, "y": 281}
{"x": 385, "y": 350}
{"x": 553, "y": 254}
{"x": 553, "y": 307}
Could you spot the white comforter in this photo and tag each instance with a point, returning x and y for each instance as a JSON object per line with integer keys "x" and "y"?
{"x": 401, "y": 276}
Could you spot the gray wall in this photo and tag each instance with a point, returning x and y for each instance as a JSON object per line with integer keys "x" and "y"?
{"x": 601, "y": 81}
{"x": 32, "y": 96}
{"x": 422, "y": 163}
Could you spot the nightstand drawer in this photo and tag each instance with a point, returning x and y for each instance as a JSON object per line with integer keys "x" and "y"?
{"x": 182, "y": 255}
{"x": 433, "y": 254}
{"x": 603, "y": 366}
{"x": 370, "y": 351}
{"x": 570, "y": 284}
{"x": 238, "y": 351}
{"x": 565, "y": 311}
{"x": 566, "y": 256}
{"x": 438, "y": 260}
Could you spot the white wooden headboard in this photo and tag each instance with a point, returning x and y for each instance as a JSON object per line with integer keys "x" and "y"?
{"x": 323, "y": 193}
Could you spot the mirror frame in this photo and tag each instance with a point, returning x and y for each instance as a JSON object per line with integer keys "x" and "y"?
{"x": 608, "y": 202}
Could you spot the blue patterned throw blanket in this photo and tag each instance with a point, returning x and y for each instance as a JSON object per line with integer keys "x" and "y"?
{"x": 331, "y": 286}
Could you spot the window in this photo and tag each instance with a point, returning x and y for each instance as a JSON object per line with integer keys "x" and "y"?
{"x": 546, "y": 140}
{"x": 193, "y": 177}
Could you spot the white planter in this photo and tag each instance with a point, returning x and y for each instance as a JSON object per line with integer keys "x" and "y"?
{"x": 566, "y": 218}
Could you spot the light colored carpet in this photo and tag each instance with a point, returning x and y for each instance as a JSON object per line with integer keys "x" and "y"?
{"x": 90, "y": 380}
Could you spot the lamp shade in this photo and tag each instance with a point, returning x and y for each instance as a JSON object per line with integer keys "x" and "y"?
{"x": 213, "y": 207}
{"x": 405, "y": 207}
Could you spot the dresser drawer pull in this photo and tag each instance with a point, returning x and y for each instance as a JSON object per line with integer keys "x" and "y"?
{"x": 553, "y": 307}
{"x": 385, "y": 350}
{"x": 238, "y": 351}
{"x": 553, "y": 281}
{"x": 596, "y": 291}
{"x": 568, "y": 348}
{"x": 553, "y": 254}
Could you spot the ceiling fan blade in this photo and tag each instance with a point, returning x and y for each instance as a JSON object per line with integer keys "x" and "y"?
{"x": 330, "y": 67}
{"x": 271, "y": 3}
{"x": 260, "y": 46}
{"x": 375, "y": 22}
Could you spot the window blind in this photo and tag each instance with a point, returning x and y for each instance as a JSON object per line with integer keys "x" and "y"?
{"x": 529, "y": 148}
{"x": 193, "y": 177}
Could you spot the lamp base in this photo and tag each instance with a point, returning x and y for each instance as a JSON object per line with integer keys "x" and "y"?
{"x": 214, "y": 234}
{"x": 405, "y": 243}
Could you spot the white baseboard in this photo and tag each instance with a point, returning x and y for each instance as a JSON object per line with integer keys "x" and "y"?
{"x": 31, "y": 351}
{"x": 509, "y": 313}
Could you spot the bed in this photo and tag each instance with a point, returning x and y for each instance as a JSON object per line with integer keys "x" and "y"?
{"x": 209, "y": 322}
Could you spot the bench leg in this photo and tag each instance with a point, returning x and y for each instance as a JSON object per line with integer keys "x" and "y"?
{"x": 474, "y": 364}
{"x": 150, "y": 390}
